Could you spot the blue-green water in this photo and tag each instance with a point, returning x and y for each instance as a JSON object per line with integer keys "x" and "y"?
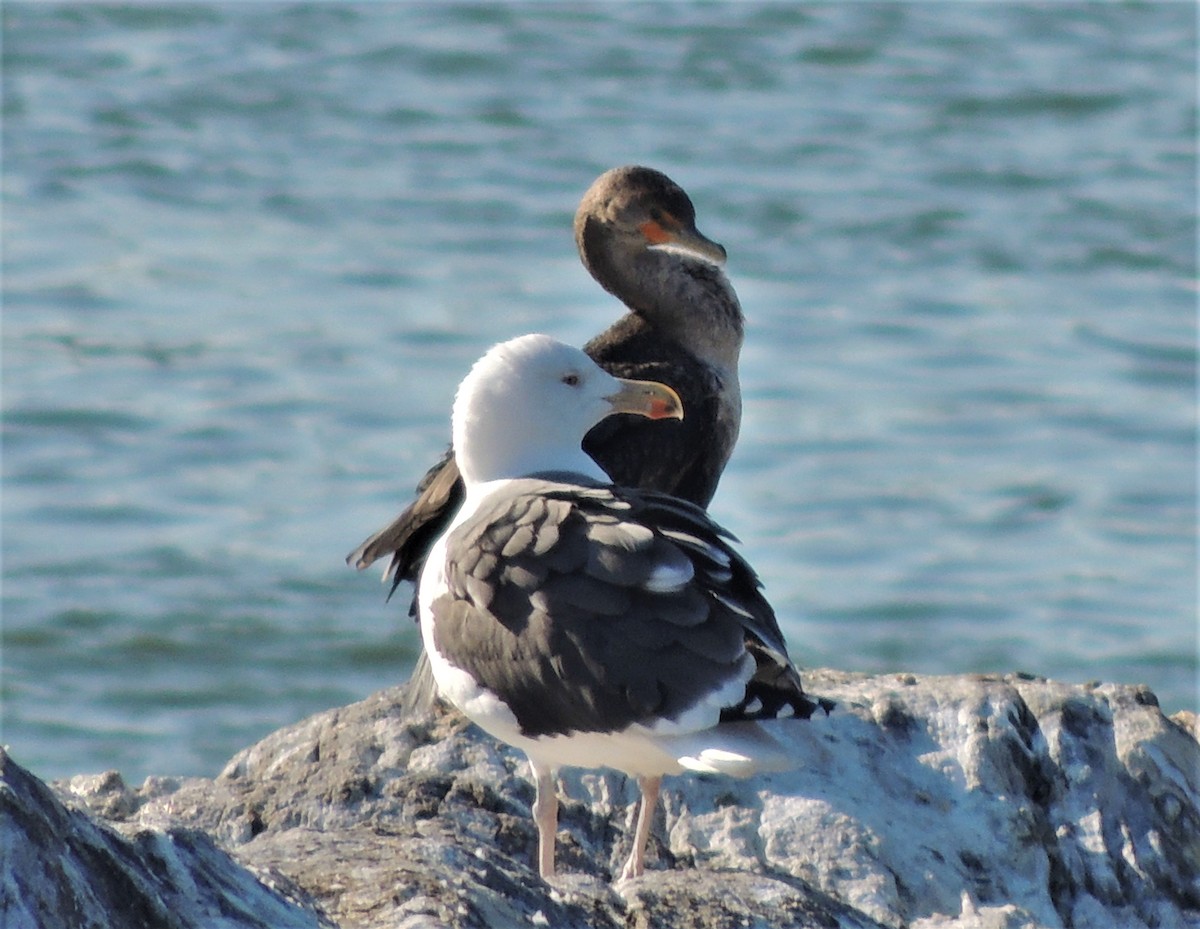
{"x": 250, "y": 249}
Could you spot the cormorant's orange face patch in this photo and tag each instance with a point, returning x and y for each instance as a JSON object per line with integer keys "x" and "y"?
{"x": 654, "y": 233}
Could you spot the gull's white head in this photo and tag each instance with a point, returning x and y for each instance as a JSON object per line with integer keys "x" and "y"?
{"x": 527, "y": 404}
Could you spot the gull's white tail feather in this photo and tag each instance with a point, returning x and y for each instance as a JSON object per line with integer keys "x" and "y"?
{"x": 736, "y": 749}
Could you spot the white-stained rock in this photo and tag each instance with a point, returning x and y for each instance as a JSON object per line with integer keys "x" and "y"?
{"x": 936, "y": 802}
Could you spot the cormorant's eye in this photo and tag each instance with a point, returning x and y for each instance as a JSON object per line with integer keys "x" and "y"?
{"x": 571, "y": 380}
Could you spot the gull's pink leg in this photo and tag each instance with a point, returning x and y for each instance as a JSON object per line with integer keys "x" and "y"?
{"x": 545, "y": 815}
{"x": 636, "y": 865}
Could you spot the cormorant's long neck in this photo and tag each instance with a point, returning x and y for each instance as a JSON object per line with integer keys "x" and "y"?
{"x": 688, "y": 299}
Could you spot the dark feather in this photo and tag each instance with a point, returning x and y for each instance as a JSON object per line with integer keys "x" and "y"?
{"x": 571, "y": 648}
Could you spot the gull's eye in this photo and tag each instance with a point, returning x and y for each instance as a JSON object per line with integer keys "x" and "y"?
{"x": 571, "y": 380}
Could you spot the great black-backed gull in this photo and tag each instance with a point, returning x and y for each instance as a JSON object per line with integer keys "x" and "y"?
{"x": 585, "y": 623}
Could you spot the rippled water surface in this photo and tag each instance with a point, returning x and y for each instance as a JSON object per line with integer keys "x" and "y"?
{"x": 250, "y": 249}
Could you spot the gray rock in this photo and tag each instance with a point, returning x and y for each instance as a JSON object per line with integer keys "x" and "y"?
{"x": 967, "y": 802}
{"x": 63, "y": 867}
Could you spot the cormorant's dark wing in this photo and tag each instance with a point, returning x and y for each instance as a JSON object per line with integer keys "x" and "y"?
{"x": 409, "y": 536}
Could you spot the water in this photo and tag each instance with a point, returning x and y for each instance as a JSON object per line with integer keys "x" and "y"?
{"x": 250, "y": 249}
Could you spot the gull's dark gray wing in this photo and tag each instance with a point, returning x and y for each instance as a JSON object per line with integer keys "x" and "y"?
{"x": 588, "y": 608}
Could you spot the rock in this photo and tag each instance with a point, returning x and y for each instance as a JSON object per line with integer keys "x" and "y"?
{"x": 63, "y": 867}
{"x": 926, "y": 802}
